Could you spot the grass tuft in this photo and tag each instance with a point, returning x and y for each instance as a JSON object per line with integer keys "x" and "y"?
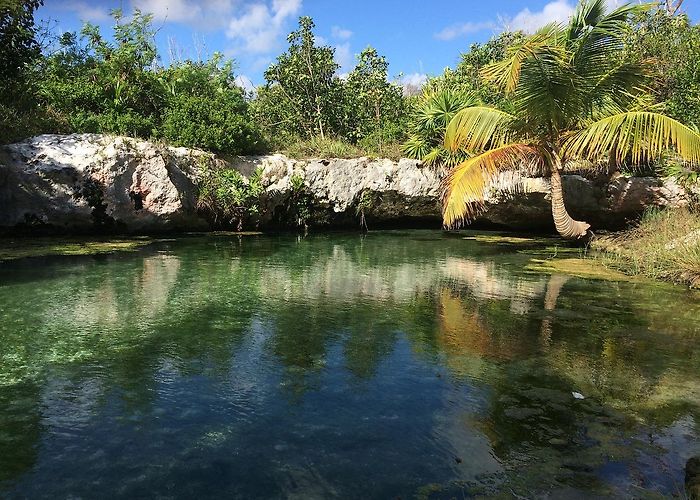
{"x": 664, "y": 245}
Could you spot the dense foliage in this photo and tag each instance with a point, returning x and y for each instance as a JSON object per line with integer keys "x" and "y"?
{"x": 575, "y": 96}
{"x": 229, "y": 198}
{"x": 91, "y": 82}
{"x": 305, "y": 98}
{"x": 672, "y": 45}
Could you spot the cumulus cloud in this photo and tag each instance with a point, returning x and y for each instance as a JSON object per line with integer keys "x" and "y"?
{"x": 85, "y": 11}
{"x": 461, "y": 29}
{"x": 258, "y": 29}
{"x": 340, "y": 33}
{"x": 557, "y": 11}
{"x": 412, "y": 83}
{"x": 202, "y": 14}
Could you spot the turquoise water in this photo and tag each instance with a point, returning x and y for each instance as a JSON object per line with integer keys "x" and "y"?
{"x": 399, "y": 364}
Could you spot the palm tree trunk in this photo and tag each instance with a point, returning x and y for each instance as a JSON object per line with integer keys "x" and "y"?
{"x": 567, "y": 227}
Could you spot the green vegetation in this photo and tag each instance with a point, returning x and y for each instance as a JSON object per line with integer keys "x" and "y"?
{"x": 606, "y": 92}
{"x": 665, "y": 245}
{"x": 307, "y": 104}
{"x": 229, "y": 198}
{"x": 89, "y": 82}
{"x": 19, "y": 248}
{"x": 577, "y": 99}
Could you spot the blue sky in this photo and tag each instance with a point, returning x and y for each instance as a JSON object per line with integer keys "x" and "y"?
{"x": 418, "y": 37}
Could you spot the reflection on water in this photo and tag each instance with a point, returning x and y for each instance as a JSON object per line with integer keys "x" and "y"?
{"x": 398, "y": 364}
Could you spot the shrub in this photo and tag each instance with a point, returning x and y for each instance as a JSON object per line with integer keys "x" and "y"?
{"x": 228, "y": 197}
{"x": 219, "y": 124}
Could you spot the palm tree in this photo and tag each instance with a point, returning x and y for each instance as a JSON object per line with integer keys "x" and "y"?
{"x": 432, "y": 114}
{"x": 578, "y": 100}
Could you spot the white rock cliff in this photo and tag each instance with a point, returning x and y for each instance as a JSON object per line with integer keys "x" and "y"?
{"x": 81, "y": 182}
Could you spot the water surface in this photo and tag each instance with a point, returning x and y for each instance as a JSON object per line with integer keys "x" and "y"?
{"x": 399, "y": 364}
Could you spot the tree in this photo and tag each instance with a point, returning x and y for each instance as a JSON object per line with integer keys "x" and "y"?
{"x": 107, "y": 86}
{"x": 673, "y": 6}
{"x": 372, "y": 102}
{"x": 454, "y": 90}
{"x": 671, "y": 45}
{"x": 19, "y": 50}
{"x": 18, "y": 45}
{"x": 577, "y": 99}
{"x": 304, "y": 79}
{"x": 205, "y": 108}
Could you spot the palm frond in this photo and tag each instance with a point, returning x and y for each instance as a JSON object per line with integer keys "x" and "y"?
{"x": 618, "y": 89}
{"x": 548, "y": 92}
{"x": 506, "y": 74}
{"x": 641, "y": 134}
{"x": 477, "y": 127}
{"x": 439, "y": 107}
{"x": 587, "y": 14}
{"x": 464, "y": 189}
{"x": 415, "y": 147}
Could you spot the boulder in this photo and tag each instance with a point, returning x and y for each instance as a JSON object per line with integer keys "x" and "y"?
{"x": 88, "y": 182}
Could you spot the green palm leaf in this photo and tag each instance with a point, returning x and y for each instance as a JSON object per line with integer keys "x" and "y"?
{"x": 543, "y": 44}
{"x": 643, "y": 135}
{"x": 477, "y": 127}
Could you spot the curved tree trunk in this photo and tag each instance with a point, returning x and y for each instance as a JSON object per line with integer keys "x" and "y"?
{"x": 567, "y": 227}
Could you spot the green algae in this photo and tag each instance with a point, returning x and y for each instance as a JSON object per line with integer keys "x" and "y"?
{"x": 20, "y": 248}
{"x": 579, "y": 268}
{"x": 508, "y": 239}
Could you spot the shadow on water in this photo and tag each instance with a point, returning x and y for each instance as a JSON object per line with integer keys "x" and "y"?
{"x": 396, "y": 364}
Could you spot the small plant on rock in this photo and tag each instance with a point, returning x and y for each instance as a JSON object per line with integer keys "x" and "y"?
{"x": 230, "y": 198}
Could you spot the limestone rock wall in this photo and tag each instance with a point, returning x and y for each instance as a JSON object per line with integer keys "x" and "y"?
{"x": 86, "y": 182}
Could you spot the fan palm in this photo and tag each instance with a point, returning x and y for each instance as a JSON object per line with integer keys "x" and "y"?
{"x": 431, "y": 117}
{"x": 576, "y": 98}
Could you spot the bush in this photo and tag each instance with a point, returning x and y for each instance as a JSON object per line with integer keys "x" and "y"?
{"x": 218, "y": 124}
{"x": 228, "y": 197}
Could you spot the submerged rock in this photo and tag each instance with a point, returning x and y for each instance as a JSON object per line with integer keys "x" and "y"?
{"x": 90, "y": 181}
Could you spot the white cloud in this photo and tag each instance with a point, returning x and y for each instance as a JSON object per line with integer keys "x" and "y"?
{"x": 557, "y": 11}
{"x": 344, "y": 57}
{"x": 461, "y": 29}
{"x": 203, "y": 14}
{"x": 86, "y": 11}
{"x": 245, "y": 83}
{"x": 412, "y": 83}
{"x": 340, "y": 33}
{"x": 258, "y": 29}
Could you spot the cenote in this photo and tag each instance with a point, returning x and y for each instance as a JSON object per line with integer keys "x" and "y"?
{"x": 395, "y": 364}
